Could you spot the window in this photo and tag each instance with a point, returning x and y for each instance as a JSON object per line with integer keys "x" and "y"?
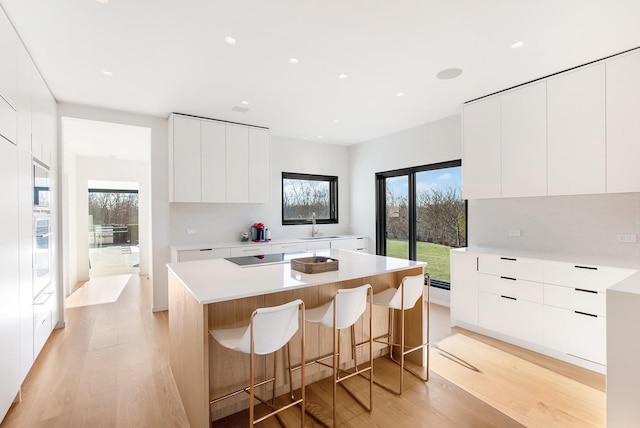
{"x": 306, "y": 194}
{"x": 421, "y": 215}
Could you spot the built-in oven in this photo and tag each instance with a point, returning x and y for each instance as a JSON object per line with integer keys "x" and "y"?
{"x": 42, "y": 242}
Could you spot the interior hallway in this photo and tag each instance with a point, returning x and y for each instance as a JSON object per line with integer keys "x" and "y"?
{"x": 109, "y": 368}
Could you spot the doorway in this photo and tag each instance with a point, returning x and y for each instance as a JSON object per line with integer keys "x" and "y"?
{"x": 113, "y": 229}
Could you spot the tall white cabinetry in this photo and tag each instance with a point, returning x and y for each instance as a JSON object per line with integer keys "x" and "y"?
{"x": 212, "y": 161}
{"x": 576, "y": 126}
{"x": 464, "y": 280}
{"x": 623, "y": 123}
{"x": 10, "y": 277}
{"x": 481, "y": 174}
{"x": 28, "y": 125}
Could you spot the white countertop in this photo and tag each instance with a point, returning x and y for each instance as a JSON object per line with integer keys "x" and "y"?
{"x": 211, "y": 281}
{"x": 199, "y": 246}
{"x": 603, "y": 260}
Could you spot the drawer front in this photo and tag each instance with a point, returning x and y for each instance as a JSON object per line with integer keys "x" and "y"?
{"x": 513, "y": 317}
{"x": 576, "y": 334}
{"x": 318, "y": 245}
{"x": 345, "y": 244}
{"x": 252, "y": 250}
{"x": 511, "y": 287}
{"x": 587, "y": 277}
{"x": 288, "y": 248}
{"x": 204, "y": 254}
{"x": 512, "y": 267}
{"x": 574, "y": 299}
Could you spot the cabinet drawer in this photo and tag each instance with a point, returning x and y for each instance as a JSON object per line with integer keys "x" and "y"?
{"x": 203, "y": 254}
{"x": 318, "y": 245}
{"x": 516, "y": 318}
{"x": 251, "y": 250}
{"x": 345, "y": 244}
{"x": 288, "y": 248}
{"x": 581, "y": 300}
{"x": 580, "y": 335}
{"x": 512, "y": 267}
{"x": 587, "y": 277}
{"x": 511, "y": 287}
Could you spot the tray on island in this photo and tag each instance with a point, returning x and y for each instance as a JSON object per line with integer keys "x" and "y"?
{"x": 316, "y": 264}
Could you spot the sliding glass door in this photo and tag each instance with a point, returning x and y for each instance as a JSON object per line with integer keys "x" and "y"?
{"x": 422, "y": 216}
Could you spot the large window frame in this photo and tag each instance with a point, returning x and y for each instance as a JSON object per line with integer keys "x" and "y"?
{"x": 381, "y": 201}
{"x": 333, "y": 198}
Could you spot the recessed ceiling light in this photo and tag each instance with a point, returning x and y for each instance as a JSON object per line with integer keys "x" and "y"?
{"x": 230, "y": 40}
{"x": 319, "y": 137}
{"x": 400, "y": 94}
{"x": 244, "y": 102}
{"x": 107, "y": 73}
{"x": 113, "y": 156}
{"x": 449, "y": 73}
{"x": 343, "y": 76}
{"x": 336, "y": 121}
{"x": 103, "y": 1}
{"x": 517, "y": 45}
{"x": 293, "y": 60}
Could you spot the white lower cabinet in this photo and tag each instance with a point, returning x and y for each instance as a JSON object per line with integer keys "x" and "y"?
{"x": 511, "y": 316}
{"x": 288, "y": 247}
{"x": 464, "y": 287}
{"x": 576, "y": 333}
{"x": 318, "y": 245}
{"x": 351, "y": 244}
{"x": 251, "y": 250}
{"x": 203, "y": 254}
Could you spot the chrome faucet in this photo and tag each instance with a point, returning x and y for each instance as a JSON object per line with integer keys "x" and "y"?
{"x": 314, "y": 230}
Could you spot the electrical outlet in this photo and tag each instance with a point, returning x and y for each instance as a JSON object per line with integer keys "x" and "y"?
{"x": 629, "y": 238}
{"x": 191, "y": 231}
{"x": 514, "y": 232}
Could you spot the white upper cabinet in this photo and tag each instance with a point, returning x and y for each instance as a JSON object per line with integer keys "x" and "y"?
{"x": 238, "y": 162}
{"x": 214, "y": 170}
{"x": 576, "y": 132}
{"x": 481, "y": 172}
{"x": 23, "y": 99}
{"x": 185, "y": 153}
{"x": 8, "y": 53}
{"x": 212, "y": 161}
{"x": 259, "y": 165}
{"x": 524, "y": 141}
{"x": 623, "y": 123}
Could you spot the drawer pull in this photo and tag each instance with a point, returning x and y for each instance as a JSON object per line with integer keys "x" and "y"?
{"x": 207, "y": 249}
{"x": 509, "y": 278}
{"x": 586, "y": 291}
{"x": 586, "y": 267}
{"x": 508, "y": 297}
{"x": 509, "y": 259}
{"x": 585, "y": 313}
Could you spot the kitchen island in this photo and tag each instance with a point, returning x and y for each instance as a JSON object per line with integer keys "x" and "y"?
{"x": 220, "y": 294}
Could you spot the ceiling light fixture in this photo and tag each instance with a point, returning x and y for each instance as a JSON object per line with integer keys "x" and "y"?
{"x": 244, "y": 102}
{"x": 449, "y": 73}
{"x": 293, "y": 60}
{"x": 319, "y": 137}
{"x": 343, "y": 76}
{"x": 103, "y": 1}
{"x": 400, "y": 94}
{"x": 230, "y": 40}
{"x": 107, "y": 73}
{"x": 336, "y": 121}
{"x": 517, "y": 45}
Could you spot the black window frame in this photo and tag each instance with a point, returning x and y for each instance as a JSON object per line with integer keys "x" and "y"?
{"x": 381, "y": 202}
{"x": 333, "y": 197}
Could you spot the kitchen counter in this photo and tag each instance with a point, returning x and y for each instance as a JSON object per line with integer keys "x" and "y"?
{"x": 212, "y": 294}
{"x": 211, "y": 281}
{"x": 198, "y": 246}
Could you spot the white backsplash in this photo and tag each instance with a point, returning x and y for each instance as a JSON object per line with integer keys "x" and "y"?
{"x": 584, "y": 224}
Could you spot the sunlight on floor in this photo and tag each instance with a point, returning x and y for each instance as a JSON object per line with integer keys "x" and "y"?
{"x": 99, "y": 290}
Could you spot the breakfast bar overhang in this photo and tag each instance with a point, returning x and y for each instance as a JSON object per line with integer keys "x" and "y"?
{"x": 220, "y": 294}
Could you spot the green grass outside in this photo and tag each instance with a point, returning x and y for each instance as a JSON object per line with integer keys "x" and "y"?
{"x": 436, "y": 256}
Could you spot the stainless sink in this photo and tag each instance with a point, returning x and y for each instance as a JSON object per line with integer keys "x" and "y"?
{"x": 319, "y": 237}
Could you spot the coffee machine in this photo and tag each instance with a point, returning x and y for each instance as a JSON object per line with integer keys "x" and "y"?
{"x": 257, "y": 232}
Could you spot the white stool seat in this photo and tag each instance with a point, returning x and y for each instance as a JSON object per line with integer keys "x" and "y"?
{"x": 229, "y": 337}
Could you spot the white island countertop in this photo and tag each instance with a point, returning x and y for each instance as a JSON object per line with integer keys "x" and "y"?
{"x": 219, "y": 280}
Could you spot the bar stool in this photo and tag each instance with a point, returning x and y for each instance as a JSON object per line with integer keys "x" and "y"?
{"x": 346, "y": 307}
{"x": 269, "y": 330}
{"x": 410, "y": 292}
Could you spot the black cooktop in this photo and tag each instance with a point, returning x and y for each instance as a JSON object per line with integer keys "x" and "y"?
{"x": 263, "y": 259}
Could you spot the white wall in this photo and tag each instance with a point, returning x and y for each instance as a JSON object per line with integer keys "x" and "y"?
{"x": 433, "y": 142}
{"x": 582, "y": 225}
{"x": 224, "y": 223}
{"x": 90, "y": 168}
{"x": 159, "y": 166}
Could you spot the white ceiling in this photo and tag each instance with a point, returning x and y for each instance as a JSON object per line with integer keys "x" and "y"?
{"x": 170, "y": 56}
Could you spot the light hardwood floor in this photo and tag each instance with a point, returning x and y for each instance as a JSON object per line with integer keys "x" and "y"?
{"x": 109, "y": 368}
